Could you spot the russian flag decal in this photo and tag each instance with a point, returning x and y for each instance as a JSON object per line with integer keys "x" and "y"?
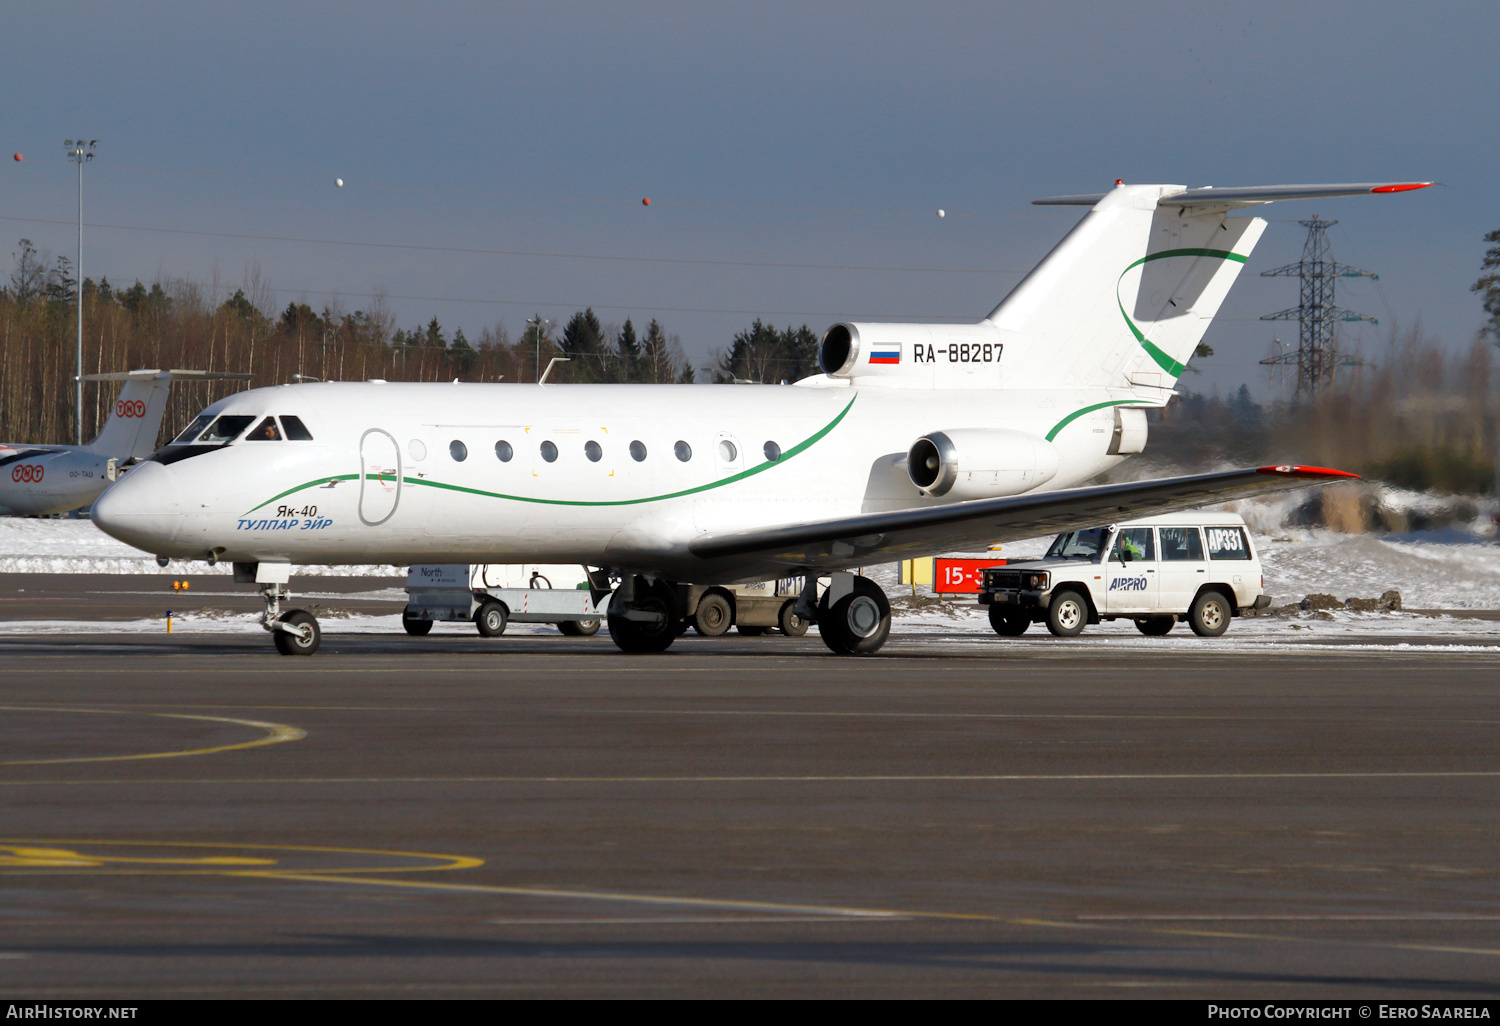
{"x": 885, "y": 356}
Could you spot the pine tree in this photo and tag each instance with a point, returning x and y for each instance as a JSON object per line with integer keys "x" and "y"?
{"x": 29, "y": 279}
{"x": 434, "y": 335}
{"x": 1488, "y": 285}
{"x": 628, "y": 351}
{"x": 655, "y": 364}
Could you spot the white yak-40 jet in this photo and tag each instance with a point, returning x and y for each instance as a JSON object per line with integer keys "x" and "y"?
{"x": 916, "y": 439}
{"x": 39, "y": 479}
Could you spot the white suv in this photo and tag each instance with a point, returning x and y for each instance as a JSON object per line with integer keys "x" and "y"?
{"x": 1198, "y": 567}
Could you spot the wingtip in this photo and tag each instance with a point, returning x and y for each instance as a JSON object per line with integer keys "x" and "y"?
{"x": 1402, "y": 186}
{"x": 1286, "y": 470}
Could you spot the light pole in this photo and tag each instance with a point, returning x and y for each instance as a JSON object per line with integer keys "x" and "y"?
{"x": 80, "y": 152}
{"x": 540, "y": 325}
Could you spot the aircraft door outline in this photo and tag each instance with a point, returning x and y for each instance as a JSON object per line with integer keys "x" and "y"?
{"x": 375, "y": 458}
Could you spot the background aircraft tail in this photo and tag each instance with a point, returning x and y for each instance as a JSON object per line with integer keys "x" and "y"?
{"x": 130, "y": 432}
{"x": 1125, "y": 298}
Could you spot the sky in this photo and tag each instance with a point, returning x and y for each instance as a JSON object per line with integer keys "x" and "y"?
{"x": 795, "y": 154}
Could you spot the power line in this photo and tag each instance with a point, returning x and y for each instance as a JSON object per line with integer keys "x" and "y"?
{"x": 524, "y": 253}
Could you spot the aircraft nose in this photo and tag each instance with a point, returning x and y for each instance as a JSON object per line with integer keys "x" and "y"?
{"x": 142, "y": 509}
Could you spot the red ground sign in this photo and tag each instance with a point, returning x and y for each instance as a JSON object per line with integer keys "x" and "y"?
{"x": 959, "y": 576}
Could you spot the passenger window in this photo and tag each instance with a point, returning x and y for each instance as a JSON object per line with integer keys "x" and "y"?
{"x": 1227, "y": 543}
{"x": 503, "y": 451}
{"x": 295, "y": 430}
{"x": 772, "y": 451}
{"x": 593, "y": 451}
{"x": 225, "y": 429}
{"x": 190, "y": 432}
{"x": 683, "y": 450}
{"x": 458, "y": 450}
{"x": 1137, "y": 541}
{"x": 638, "y": 451}
{"x": 1181, "y": 544}
{"x": 549, "y": 452}
{"x": 265, "y": 431}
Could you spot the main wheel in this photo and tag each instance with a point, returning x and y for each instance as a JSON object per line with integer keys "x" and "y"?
{"x": 1010, "y": 623}
{"x": 1155, "y": 626}
{"x": 579, "y": 628}
{"x": 415, "y": 626}
{"x": 491, "y": 619}
{"x": 858, "y": 623}
{"x": 713, "y": 616}
{"x": 1067, "y": 614}
{"x": 1210, "y": 614}
{"x": 290, "y": 644}
{"x": 655, "y": 635}
{"x": 790, "y": 624}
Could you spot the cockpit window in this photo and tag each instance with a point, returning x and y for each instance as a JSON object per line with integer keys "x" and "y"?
{"x": 265, "y": 431}
{"x": 225, "y": 429}
{"x": 295, "y": 430}
{"x": 191, "y": 431}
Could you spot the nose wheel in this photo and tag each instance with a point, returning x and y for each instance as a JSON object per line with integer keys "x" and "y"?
{"x": 295, "y": 631}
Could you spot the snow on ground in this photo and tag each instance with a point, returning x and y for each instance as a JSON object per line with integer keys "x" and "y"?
{"x": 62, "y": 546}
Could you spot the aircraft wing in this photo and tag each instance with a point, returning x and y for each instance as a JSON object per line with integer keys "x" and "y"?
{"x": 1248, "y": 196}
{"x": 975, "y": 525}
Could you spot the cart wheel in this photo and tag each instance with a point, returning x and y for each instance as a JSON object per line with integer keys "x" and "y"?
{"x": 490, "y": 618}
{"x": 416, "y": 626}
{"x": 713, "y": 616}
{"x": 579, "y": 628}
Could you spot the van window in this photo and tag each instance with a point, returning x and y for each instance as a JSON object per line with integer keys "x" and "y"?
{"x": 265, "y": 431}
{"x": 1181, "y": 544}
{"x": 295, "y": 430}
{"x": 225, "y": 429}
{"x": 1087, "y": 545}
{"x": 1137, "y": 541}
{"x": 1227, "y": 543}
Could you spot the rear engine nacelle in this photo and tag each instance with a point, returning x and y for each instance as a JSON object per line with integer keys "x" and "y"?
{"x": 980, "y": 463}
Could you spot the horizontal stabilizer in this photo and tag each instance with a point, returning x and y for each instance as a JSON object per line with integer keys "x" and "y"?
{"x": 973, "y": 526}
{"x": 1247, "y": 196}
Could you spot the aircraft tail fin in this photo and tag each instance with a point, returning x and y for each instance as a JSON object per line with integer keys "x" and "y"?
{"x": 130, "y": 431}
{"x": 1126, "y": 297}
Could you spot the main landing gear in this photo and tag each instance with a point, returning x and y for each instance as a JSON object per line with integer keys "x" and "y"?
{"x": 853, "y": 615}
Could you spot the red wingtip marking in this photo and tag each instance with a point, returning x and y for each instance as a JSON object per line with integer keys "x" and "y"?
{"x": 1290, "y": 471}
{"x": 1407, "y": 187}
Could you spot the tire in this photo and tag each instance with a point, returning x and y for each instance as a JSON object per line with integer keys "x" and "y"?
{"x": 857, "y": 624}
{"x": 290, "y": 644}
{"x": 637, "y": 636}
{"x": 714, "y": 615}
{"x": 416, "y": 626}
{"x": 491, "y": 619}
{"x": 1009, "y": 623}
{"x": 1156, "y": 626}
{"x": 788, "y": 622}
{"x": 751, "y": 632}
{"x": 1067, "y": 613}
{"x": 579, "y": 628}
{"x": 1210, "y": 615}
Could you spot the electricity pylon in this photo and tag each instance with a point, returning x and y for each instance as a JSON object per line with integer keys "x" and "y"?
{"x": 1317, "y": 356}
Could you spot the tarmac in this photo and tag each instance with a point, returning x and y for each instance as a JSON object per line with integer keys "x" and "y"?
{"x": 451, "y": 816}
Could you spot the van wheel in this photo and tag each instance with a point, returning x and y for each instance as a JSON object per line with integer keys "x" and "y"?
{"x": 1009, "y": 624}
{"x": 490, "y": 618}
{"x": 713, "y": 616}
{"x": 1209, "y": 616}
{"x": 792, "y": 625}
{"x": 1067, "y": 614}
{"x": 1155, "y": 626}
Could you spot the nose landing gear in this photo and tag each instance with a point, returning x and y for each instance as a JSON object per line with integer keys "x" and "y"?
{"x": 294, "y": 631}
